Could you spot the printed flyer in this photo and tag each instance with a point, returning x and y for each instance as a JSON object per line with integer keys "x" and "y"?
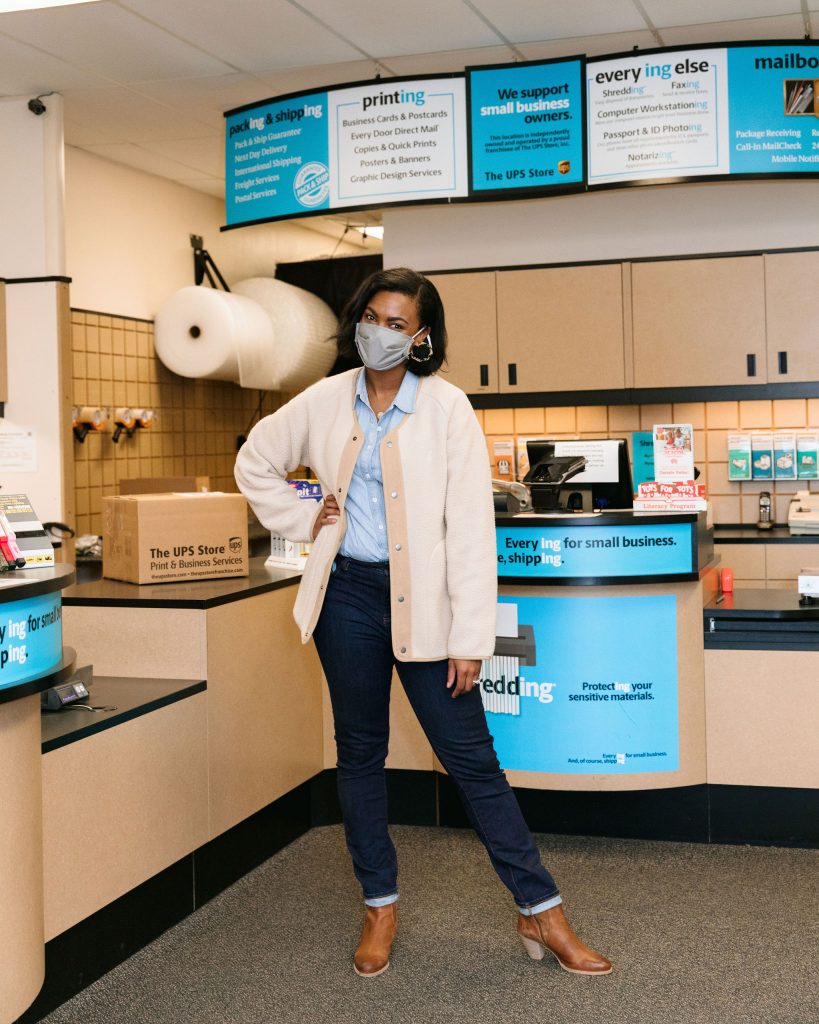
{"x": 673, "y": 452}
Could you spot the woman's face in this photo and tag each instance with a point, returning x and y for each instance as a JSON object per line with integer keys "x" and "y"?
{"x": 394, "y": 310}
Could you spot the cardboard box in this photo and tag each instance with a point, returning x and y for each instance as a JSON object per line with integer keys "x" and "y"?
{"x": 163, "y": 484}
{"x": 160, "y": 538}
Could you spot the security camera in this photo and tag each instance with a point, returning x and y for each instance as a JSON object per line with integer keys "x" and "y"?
{"x": 36, "y": 106}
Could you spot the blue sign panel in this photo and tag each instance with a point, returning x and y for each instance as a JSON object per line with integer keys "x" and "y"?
{"x": 594, "y": 693}
{"x": 773, "y": 111}
{"x": 277, "y": 160}
{"x": 31, "y": 638}
{"x": 545, "y": 552}
{"x": 527, "y": 125}
{"x": 642, "y": 449}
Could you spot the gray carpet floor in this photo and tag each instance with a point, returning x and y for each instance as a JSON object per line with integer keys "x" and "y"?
{"x": 696, "y": 933}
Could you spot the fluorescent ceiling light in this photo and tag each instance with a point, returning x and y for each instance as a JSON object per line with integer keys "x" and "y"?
{"x": 7, "y": 6}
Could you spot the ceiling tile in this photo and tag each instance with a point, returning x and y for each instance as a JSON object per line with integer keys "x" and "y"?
{"x": 205, "y": 156}
{"x": 249, "y": 35}
{"x": 81, "y": 135}
{"x": 727, "y": 31}
{"x": 665, "y": 13}
{"x": 452, "y": 60}
{"x": 24, "y": 69}
{"x": 592, "y": 46}
{"x": 278, "y": 83}
{"x": 128, "y": 116}
{"x": 113, "y": 42}
{"x": 449, "y": 24}
{"x": 207, "y": 99}
{"x": 535, "y": 20}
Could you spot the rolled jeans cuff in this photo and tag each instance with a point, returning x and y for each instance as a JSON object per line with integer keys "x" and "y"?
{"x": 538, "y": 908}
{"x": 380, "y": 901}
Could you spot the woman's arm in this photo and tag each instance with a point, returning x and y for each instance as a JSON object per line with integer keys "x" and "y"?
{"x": 275, "y": 447}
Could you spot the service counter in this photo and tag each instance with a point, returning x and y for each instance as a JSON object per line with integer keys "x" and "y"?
{"x": 32, "y": 658}
{"x": 621, "y": 719}
{"x": 262, "y": 707}
{"x": 762, "y": 706}
{"x": 600, "y": 686}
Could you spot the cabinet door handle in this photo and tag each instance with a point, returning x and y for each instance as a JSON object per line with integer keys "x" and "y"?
{"x": 751, "y": 359}
{"x": 484, "y": 375}
{"x": 513, "y": 373}
{"x": 783, "y": 362}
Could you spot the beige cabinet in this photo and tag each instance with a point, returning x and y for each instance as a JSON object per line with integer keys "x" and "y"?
{"x": 792, "y": 316}
{"x": 561, "y": 329}
{"x": 699, "y": 322}
{"x": 471, "y": 322}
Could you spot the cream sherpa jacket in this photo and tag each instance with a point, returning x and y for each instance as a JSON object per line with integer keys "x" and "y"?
{"x": 438, "y": 498}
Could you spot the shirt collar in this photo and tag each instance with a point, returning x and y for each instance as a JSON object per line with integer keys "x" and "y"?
{"x": 405, "y": 397}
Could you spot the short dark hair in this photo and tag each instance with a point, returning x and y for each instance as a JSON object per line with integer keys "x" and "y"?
{"x": 407, "y": 282}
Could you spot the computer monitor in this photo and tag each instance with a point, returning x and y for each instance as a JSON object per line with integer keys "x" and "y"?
{"x": 606, "y": 481}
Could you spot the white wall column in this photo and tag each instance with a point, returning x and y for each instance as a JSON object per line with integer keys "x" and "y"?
{"x": 32, "y": 260}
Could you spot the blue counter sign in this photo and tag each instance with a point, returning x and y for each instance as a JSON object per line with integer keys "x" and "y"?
{"x": 599, "y": 552}
{"x": 589, "y": 687}
{"x": 30, "y": 638}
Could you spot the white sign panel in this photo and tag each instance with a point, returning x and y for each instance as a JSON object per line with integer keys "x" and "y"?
{"x": 18, "y": 450}
{"x": 660, "y": 115}
{"x": 398, "y": 142}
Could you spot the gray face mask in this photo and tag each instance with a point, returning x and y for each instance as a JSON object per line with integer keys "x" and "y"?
{"x": 381, "y": 348}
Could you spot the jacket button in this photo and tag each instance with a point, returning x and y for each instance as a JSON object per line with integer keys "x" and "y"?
{"x": 355, "y": 437}
{"x": 401, "y": 598}
{"x": 389, "y": 444}
{"x": 403, "y": 650}
{"x": 397, "y": 547}
{"x": 394, "y": 494}
{"x": 339, "y": 490}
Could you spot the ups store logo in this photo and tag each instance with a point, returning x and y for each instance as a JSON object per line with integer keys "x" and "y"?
{"x": 235, "y": 544}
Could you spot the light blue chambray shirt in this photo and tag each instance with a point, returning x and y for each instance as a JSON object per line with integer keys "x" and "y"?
{"x": 366, "y": 536}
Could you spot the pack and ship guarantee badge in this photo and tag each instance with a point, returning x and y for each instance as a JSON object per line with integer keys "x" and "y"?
{"x": 312, "y": 184}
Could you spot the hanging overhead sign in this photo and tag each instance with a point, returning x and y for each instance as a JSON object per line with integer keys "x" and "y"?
{"x": 517, "y": 130}
{"x": 385, "y": 142}
{"x": 526, "y": 126}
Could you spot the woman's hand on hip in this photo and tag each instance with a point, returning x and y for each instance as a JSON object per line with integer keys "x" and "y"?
{"x": 327, "y": 516}
{"x": 462, "y": 675}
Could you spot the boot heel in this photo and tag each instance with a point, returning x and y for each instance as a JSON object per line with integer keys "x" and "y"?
{"x": 535, "y": 950}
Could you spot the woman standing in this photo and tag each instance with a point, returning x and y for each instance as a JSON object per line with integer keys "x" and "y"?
{"x": 402, "y": 574}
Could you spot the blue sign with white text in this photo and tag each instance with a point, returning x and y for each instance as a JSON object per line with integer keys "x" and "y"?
{"x": 31, "y": 638}
{"x": 527, "y": 125}
{"x": 277, "y": 157}
{"x": 773, "y": 109}
{"x": 595, "y": 692}
{"x": 543, "y": 552}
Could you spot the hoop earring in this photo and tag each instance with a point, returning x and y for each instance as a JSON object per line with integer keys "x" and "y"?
{"x": 415, "y": 352}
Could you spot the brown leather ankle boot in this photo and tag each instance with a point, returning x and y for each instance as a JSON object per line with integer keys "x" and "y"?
{"x": 373, "y": 954}
{"x": 549, "y": 930}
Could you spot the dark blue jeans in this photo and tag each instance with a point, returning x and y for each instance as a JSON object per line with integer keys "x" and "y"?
{"x": 355, "y": 647}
